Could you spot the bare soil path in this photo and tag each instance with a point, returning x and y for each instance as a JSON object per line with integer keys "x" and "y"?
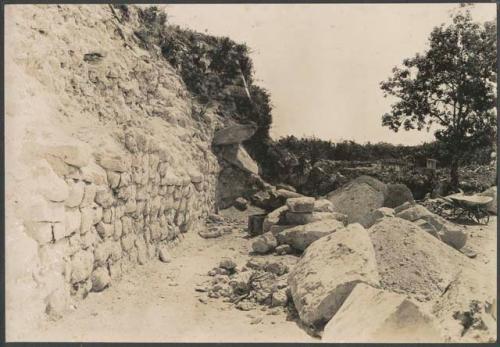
{"x": 157, "y": 302}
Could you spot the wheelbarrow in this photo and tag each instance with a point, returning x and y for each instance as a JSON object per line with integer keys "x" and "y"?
{"x": 473, "y": 207}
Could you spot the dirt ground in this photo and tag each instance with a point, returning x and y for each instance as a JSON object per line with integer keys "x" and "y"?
{"x": 158, "y": 302}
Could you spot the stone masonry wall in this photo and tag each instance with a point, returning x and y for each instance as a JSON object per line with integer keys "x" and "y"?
{"x": 107, "y": 158}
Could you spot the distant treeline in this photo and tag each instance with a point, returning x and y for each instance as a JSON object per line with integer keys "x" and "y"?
{"x": 314, "y": 149}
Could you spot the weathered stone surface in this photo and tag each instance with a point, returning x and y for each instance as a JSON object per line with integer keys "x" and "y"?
{"x": 300, "y": 205}
{"x": 49, "y": 185}
{"x": 264, "y": 243}
{"x": 93, "y": 173}
{"x": 273, "y": 218}
{"x": 104, "y": 197}
{"x": 328, "y": 271}
{"x": 100, "y": 279}
{"x": 359, "y": 198}
{"x": 105, "y": 230}
{"x": 453, "y": 235}
{"x": 293, "y": 218}
{"x": 412, "y": 261}
{"x": 41, "y": 232}
{"x": 284, "y": 249}
{"x": 233, "y": 134}
{"x": 75, "y": 196}
{"x": 114, "y": 163}
{"x": 78, "y": 156}
{"x": 413, "y": 213}
{"x": 88, "y": 195}
{"x": 113, "y": 179}
{"x": 81, "y": 266}
{"x": 371, "y": 315}
{"x": 238, "y": 156}
{"x": 287, "y": 194}
{"x": 73, "y": 221}
{"x": 403, "y": 207}
{"x": 323, "y": 205}
{"x": 300, "y": 237}
{"x": 383, "y": 212}
{"x": 46, "y": 211}
{"x": 396, "y": 195}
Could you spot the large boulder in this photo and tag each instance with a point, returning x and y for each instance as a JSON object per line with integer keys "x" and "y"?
{"x": 300, "y": 237}
{"x": 328, "y": 271}
{"x": 323, "y": 205}
{"x": 372, "y": 315}
{"x": 237, "y": 155}
{"x": 492, "y": 192}
{"x": 397, "y": 194}
{"x": 412, "y": 261}
{"x": 234, "y": 134}
{"x": 359, "y": 198}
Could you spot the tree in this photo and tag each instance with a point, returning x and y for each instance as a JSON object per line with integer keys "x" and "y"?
{"x": 451, "y": 85}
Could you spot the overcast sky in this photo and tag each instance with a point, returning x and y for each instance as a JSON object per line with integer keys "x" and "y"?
{"x": 322, "y": 63}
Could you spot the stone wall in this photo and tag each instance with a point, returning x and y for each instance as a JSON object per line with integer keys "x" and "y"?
{"x": 107, "y": 157}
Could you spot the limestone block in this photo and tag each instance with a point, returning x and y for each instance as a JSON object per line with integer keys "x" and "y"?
{"x": 371, "y": 315}
{"x": 102, "y": 252}
{"x": 105, "y": 230}
{"x": 274, "y": 217}
{"x": 300, "y": 237}
{"x": 233, "y": 134}
{"x": 264, "y": 243}
{"x": 45, "y": 211}
{"x": 125, "y": 179}
{"x": 93, "y": 173}
{"x": 75, "y": 155}
{"x": 113, "y": 179}
{"x": 328, "y": 271}
{"x": 114, "y": 162}
{"x": 323, "y": 205}
{"x": 104, "y": 197}
{"x": 118, "y": 229}
{"x": 41, "y": 232}
{"x": 96, "y": 214}
{"x": 75, "y": 195}
{"x": 48, "y": 184}
{"x": 300, "y": 205}
{"x": 87, "y": 215}
{"x": 89, "y": 195}
{"x": 73, "y": 221}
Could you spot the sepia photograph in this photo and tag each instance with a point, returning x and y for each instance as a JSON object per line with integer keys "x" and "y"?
{"x": 231, "y": 173}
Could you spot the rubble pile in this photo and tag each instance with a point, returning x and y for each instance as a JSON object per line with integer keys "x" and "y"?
{"x": 259, "y": 283}
{"x": 403, "y": 270}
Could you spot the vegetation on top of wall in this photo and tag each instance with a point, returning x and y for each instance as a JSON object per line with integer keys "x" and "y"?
{"x": 216, "y": 70}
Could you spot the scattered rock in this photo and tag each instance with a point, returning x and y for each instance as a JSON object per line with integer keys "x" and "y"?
{"x": 412, "y": 213}
{"x": 100, "y": 279}
{"x": 300, "y": 205}
{"x": 383, "y": 212}
{"x": 328, "y": 271}
{"x": 227, "y": 264}
{"x": 273, "y": 218}
{"x": 255, "y": 224}
{"x": 293, "y": 218}
{"x": 284, "y": 249}
{"x": 241, "y": 204}
{"x": 164, "y": 255}
{"x": 265, "y": 243}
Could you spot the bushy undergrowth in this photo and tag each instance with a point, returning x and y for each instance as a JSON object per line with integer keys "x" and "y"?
{"x": 216, "y": 70}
